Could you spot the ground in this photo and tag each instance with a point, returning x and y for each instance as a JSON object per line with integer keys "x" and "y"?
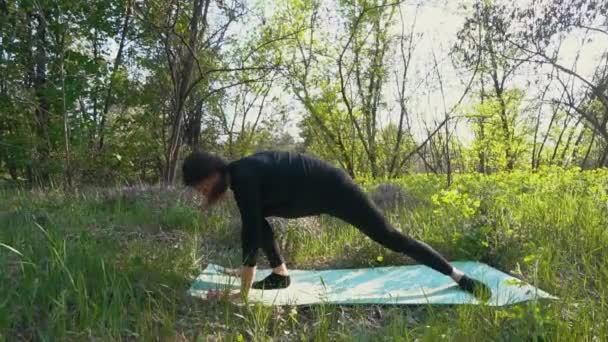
{"x": 115, "y": 264}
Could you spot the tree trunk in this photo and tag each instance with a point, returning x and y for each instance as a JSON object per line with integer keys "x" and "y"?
{"x": 66, "y": 130}
{"x": 40, "y": 171}
{"x": 117, "y": 63}
{"x": 542, "y": 145}
{"x": 447, "y": 154}
{"x": 482, "y": 133}
{"x": 604, "y": 156}
{"x": 95, "y": 100}
{"x": 536, "y": 127}
{"x": 568, "y": 141}
{"x": 403, "y": 113}
{"x": 482, "y": 153}
{"x": 584, "y": 162}
{"x": 505, "y": 126}
{"x": 182, "y": 86}
{"x": 577, "y": 143}
{"x": 559, "y": 138}
{"x": 193, "y": 127}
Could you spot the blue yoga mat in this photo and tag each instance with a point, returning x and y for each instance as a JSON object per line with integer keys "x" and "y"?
{"x": 415, "y": 284}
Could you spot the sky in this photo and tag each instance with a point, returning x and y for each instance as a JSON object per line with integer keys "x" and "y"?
{"x": 440, "y": 20}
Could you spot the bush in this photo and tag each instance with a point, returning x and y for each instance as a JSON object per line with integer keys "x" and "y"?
{"x": 390, "y": 196}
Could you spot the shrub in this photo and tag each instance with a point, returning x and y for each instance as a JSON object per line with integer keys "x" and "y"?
{"x": 390, "y": 196}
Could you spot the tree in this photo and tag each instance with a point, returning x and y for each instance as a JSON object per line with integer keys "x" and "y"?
{"x": 484, "y": 41}
{"x": 543, "y": 27}
{"x": 343, "y": 87}
{"x": 500, "y": 151}
{"x": 53, "y": 69}
{"x": 194, "y": 47}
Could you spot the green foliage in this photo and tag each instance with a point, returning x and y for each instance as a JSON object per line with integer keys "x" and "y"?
{"x": 500, "y": 135}
{"x": 70, "y": 106}
{"x": 116, "y": 265}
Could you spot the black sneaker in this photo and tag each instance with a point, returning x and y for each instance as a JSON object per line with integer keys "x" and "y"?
{"x": 477, "y": 288}
{"x": 272, "y": 282}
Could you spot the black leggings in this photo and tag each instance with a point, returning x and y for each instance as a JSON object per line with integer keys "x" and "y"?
{"x": 269, "y": 245}
{"x": 350, "y": 204}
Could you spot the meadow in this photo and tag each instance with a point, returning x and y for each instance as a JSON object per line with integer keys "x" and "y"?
{"x": 115, "y": 264}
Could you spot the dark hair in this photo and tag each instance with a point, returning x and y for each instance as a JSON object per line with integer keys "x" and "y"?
{"x": 200, "y": 165}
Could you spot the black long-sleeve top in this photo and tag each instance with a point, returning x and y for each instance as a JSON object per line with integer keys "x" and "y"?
{"x": 279, "y": 184}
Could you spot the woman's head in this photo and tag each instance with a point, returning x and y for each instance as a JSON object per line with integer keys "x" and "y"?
{"x": 207, "y": 173}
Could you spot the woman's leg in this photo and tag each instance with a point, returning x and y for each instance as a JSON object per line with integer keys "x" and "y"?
{"x": 269, "y": 245}
{"x": 357, "y": 209}
{"x": 279, "y": 278}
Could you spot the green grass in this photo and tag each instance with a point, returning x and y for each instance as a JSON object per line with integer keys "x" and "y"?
{"x": 116, "y": 265}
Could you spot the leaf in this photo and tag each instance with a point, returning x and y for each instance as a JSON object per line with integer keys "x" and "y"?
{"x": 529, "y": 258}
{"x": 513, "y": 281}
{"x": 11, "y": 249}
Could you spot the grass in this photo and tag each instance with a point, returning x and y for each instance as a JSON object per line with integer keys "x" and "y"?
{"x": 116, "y": 265}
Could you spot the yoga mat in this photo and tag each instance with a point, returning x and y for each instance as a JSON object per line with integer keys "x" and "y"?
{"x": 412, "y": 284}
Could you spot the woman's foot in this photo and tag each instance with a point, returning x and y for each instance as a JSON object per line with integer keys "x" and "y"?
{"x": 477, "y": 288}
{"x": 272, "y": 282}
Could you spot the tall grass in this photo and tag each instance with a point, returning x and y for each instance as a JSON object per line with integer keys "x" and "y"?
{"x": 99, "y": 265}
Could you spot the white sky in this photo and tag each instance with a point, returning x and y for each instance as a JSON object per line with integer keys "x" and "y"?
{"x": 440, "y": 20}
